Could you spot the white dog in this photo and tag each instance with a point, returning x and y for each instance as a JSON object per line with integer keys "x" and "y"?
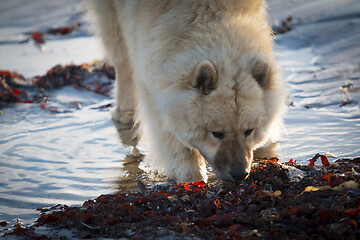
{"x": 201, "y": 77}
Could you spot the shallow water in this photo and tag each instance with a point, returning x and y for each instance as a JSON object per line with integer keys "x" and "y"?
{"x": 315, "y": 122}
{"x": 67, "y": 158}
{"x": 49, "y": 159}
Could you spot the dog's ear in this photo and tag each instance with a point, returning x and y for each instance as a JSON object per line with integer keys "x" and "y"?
{"x": 260, "y": 72}
{"x": 204, "y": 77}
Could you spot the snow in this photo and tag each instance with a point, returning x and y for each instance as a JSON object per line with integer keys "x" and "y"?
{"x": 30, "y": 61}
{"x": 67, "y": 158}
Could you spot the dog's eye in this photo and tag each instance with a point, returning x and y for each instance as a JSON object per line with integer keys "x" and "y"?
{"x": 248, "y": 132}
{"x": 218, "y": 135}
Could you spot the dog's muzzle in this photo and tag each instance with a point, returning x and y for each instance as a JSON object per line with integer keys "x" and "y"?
{"x": 238, "y": 174}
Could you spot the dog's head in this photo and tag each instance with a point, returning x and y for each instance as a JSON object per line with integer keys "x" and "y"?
{"x": 234, "y": 116}
{"x": 226, "y": 114}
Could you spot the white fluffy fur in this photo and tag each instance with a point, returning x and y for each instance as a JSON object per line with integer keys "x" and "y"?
{"x": 155, "y": 46}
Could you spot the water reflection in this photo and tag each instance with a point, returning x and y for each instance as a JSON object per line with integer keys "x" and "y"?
{"x": 133, "y": 165}
{"x": 133, "y": 173}
{"x": 128, "y": 133}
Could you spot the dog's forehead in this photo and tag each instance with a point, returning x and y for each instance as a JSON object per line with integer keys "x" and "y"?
{"x": 231, "y": 110}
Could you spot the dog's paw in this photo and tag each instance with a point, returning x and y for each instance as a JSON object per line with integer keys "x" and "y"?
{"x": 189, "y": 175}
{"x": 267, "y": 151}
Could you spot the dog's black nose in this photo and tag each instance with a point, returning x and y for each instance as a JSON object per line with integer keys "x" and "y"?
{"x": 239, "y": 175}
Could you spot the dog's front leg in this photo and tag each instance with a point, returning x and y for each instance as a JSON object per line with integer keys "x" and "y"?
{"x": 186, "y": 164}
{"x": 167, "y": 154}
